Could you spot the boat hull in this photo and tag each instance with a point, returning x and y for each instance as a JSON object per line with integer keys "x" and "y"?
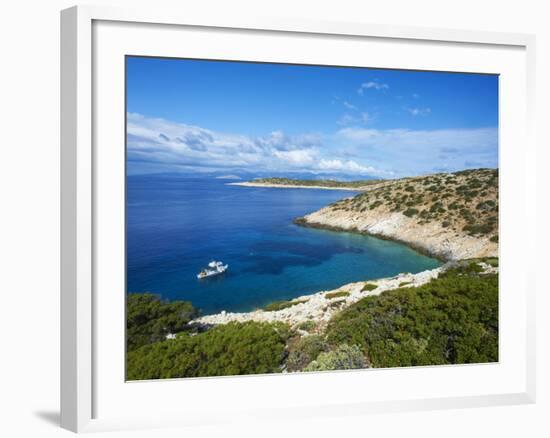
{"x": 221, "y": 271}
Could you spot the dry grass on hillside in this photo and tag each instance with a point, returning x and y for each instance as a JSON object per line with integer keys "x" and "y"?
{"x": 465, "y": 201}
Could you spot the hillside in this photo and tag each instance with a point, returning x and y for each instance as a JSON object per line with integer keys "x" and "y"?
{"x": 448, "y": 215}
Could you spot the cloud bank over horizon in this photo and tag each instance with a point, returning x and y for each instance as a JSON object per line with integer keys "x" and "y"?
{"x": 262, "y": 119}
{"x": 157, "y": 145}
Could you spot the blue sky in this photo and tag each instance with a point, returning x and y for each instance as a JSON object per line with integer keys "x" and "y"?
{"x": 231, "y": 117}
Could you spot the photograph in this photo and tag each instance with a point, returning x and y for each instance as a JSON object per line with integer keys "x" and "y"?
{"x": 292, "y": 218}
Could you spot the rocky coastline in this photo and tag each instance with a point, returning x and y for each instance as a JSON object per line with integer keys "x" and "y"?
{"x": 451, "y": 217}
{"x": 321, "y": 306}
{"x": 431, "y": 239}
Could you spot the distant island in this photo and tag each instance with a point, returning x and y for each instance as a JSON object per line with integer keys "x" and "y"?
{"x": 309, "y": 183}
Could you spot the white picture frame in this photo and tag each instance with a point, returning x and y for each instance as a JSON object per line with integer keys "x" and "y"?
{"x": 82, "y": 168}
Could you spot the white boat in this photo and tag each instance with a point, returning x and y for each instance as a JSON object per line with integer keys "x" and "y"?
{"x": 214, "y": 268}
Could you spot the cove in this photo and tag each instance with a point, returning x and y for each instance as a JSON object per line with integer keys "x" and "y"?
{"x": 175, "y": 225}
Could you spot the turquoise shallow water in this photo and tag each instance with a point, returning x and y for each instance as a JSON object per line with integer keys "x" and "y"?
{"x": 176, "y": 225}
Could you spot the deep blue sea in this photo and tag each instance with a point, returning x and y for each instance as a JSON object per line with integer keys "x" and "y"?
{"x": 176, "y": 225}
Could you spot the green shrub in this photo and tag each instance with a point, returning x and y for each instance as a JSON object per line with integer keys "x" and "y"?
{"x": 367, "y": 287}
{"x": 345, "y": 357}
{"x": 148, "y": 319}
{"x": 452, "y": 319}
{"x": 409, "y": 212}
{"x": 376, "y": 204}
{"x": 437, "y": 206}
{"x": 473, "y": 229}
{"x": 404, "y": 283}
{"x": 307, "y": 326}
{"x": 464, "y": 267}
{"x": 303, "y": 351}
{"x": 494, "y": 238}
{"x": 338, "y": 294}
{"x": 486, "y": 205}
{"x": 228, "y": 349}
{"x": 280, "y": 305}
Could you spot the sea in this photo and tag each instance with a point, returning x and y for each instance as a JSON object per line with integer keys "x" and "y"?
{"x": 176, "y": 225}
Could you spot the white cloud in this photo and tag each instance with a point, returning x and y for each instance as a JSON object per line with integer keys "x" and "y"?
{"x": 375, "y": 85}
{"x": 169, "y": 146}
{"x": 411, "y": 152}
{"x": 353, "y": 151}
{"x": 346, "y": 119}
{"x": 349, "y": 106}
{"x": 419, "y": 111}
{"x": 350, "y": 166}
{"x": 450, "y": 140}
{"x": 299, "y": 157}
{"x": 366, "y": 117}
{"x": 358, "y": 134}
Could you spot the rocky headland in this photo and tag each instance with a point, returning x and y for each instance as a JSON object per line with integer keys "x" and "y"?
{"x": 451, "y": 216}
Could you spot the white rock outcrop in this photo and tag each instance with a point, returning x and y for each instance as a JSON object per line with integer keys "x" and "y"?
{"x": 431, "y": 238}
{"x": 318, "y": 307}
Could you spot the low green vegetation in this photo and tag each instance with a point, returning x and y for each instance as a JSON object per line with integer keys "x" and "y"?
{"x": 338, "y": 294}
{"x": 473, "y": 265}
{"x": 307, "y": 326}
{"x": 464, "y": 267}
{"x": 228, "y": 349}
{"x": 410, "y": 212}
{"x": 280, "y": 305}
{"x": 474, "y": 229}
{"x": 303, "y": 351}
{"x": 148, "y": 319}
{"x": 367, "y": 287}
{"x": 344, "y": 357}
{"x": 452, "y": 319}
